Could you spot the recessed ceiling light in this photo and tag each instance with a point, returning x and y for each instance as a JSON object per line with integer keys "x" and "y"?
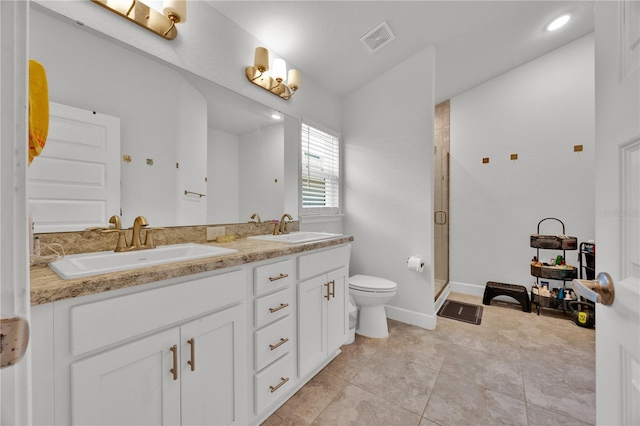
{"x": 558, "y": 22}
{"x": 276, "y": 116}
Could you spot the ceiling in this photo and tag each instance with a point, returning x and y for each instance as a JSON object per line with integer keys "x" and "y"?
{"x": 475, "y": 41}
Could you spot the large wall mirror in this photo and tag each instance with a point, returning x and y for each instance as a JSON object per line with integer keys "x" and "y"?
{"x": 178, "y": 132}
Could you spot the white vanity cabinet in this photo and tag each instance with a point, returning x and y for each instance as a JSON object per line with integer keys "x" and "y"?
{"x": 181, "y": 376}
{"x": 216, "y": 348}
{"x": 323, "y": 322}
{"x": 171, "y": 352}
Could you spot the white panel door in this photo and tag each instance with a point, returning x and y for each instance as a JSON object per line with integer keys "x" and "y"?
{"x": 212, "y": 364}
{"x": 312, "y": 324}
{"x": 75, "y": 182}
{"x": 618, "y": 210}
{"x": 129, "y": 385}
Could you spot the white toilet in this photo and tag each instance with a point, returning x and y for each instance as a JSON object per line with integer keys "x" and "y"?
{"x": 371, "y": 294}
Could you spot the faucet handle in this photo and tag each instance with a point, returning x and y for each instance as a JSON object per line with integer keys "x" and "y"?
{"x": 148, "y": 238}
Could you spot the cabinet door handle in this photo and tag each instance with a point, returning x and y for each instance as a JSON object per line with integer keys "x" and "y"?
{"x": 280, "y": 343}
{"x": 333, "y": 288}
{"x": 276, "y": 387}
{"x": 282, "y": 306}
{"x": 328, "y": 295}
{"x": 279, "y": 277}
{"x": 174, "y": 370}
{"x": 192, "y": 361}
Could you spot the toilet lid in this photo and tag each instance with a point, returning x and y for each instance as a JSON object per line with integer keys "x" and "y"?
{"x": 368, "y": 283}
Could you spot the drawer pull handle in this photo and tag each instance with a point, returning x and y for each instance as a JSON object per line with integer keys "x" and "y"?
{"x": 174, "y": 370}
{"x": 192, "y": 361}
{"x": 279, "y": 277}
{"x": 276, "y": 387}
{"x": 282, "y": 306}
{"x": 328, "y": 295}
{"x": 280, "y": 343}
{"x": 333, "y": 288}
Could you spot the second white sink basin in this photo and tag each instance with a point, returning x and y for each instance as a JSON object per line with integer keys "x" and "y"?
{"x": 88, "y": 264}
{"x": 297, "y": 237}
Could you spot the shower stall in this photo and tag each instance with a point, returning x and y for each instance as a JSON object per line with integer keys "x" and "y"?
{"x": 441, "y": 198}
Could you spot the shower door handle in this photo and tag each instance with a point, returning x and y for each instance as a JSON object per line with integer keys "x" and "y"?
{"x": 443, "y": 215}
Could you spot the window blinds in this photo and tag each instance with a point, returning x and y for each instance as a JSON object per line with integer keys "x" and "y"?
{"x": 320, "y": 172}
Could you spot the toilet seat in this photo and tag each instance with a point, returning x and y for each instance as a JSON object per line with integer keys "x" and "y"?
{"x": 370, "y": 284}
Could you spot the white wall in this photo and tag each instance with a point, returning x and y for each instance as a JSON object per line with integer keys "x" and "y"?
{"x": 262, "y": 173}
{"x": 223, "y": 172}
{"x": 388, "y": 135}
{"x": 85, "y": 71}
{"x": 539, "y": 111}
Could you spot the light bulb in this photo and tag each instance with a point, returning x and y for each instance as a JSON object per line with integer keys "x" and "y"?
{"x": 261, "y": 59}
{"x": 279, "y": 72}
{"x": 558, "y": 22}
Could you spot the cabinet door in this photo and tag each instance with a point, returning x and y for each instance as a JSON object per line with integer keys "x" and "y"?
{"x": 212, "y": 368}
{"x": 337, "y": 316}
{"x": 312, "y": 324}
{"x": 128, "y": 385}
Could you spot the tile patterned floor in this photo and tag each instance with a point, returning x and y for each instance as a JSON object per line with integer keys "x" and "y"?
{"x": 515, "y": 368}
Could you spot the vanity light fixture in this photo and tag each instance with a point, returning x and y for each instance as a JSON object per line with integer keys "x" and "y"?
{"x": 279, "y": 82}
{"x": 163, "y": 24}
{"x": 558, "y": 22}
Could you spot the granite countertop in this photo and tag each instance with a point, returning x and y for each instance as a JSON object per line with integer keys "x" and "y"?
{"x": 47, "y": 286}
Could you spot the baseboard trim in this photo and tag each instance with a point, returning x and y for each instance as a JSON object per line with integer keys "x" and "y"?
{"x": 464, "y": 288}
{"x": 411, "y": 317}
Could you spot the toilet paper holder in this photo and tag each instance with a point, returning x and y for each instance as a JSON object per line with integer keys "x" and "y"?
{"x": 415, "y": 263}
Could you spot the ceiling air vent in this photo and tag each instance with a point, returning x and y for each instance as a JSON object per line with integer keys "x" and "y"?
{"x": 378, "y": 37}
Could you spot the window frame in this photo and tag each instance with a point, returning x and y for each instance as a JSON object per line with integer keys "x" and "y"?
{"x": 320, "y": 212}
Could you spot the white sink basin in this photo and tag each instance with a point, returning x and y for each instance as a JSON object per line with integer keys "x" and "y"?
{"x": 297, "y": 237}
{"x": 87, "y": 264}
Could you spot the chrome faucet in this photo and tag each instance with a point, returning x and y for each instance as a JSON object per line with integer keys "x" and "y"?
{"x": 283, "y": 223}
{"x": 136, "y": 242}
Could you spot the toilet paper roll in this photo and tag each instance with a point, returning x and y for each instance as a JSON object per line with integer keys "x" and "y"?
{"x": 415, "y": 263}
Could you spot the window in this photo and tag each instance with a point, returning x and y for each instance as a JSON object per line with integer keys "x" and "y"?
{"x": 320, "y": 172}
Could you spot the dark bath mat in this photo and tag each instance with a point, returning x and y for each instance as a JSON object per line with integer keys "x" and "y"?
{"x": 464, "y": 312}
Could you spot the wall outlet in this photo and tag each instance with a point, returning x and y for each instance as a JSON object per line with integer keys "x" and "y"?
{"x": 214, "y": 232}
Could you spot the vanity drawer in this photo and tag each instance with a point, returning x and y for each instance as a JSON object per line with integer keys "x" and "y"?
{"x": 273, "y": 307}
{"x": 273, "y": 341}
{"x": 273, "y": 276}
{"x": 315, "y": 264}
{"x": 274, "y": 382}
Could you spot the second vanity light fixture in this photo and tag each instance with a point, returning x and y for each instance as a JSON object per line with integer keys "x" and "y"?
{"x": 163, "y": 24}
{"x": 278, "y": 82}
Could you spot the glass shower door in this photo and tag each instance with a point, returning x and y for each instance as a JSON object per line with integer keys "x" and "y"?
{"x": 441, "y": 219}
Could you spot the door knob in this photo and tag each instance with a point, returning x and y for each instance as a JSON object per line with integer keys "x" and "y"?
{"x": 599, "y": 290}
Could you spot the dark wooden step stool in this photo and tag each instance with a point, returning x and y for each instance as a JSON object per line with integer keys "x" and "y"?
{"x": 518, "y": 292}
